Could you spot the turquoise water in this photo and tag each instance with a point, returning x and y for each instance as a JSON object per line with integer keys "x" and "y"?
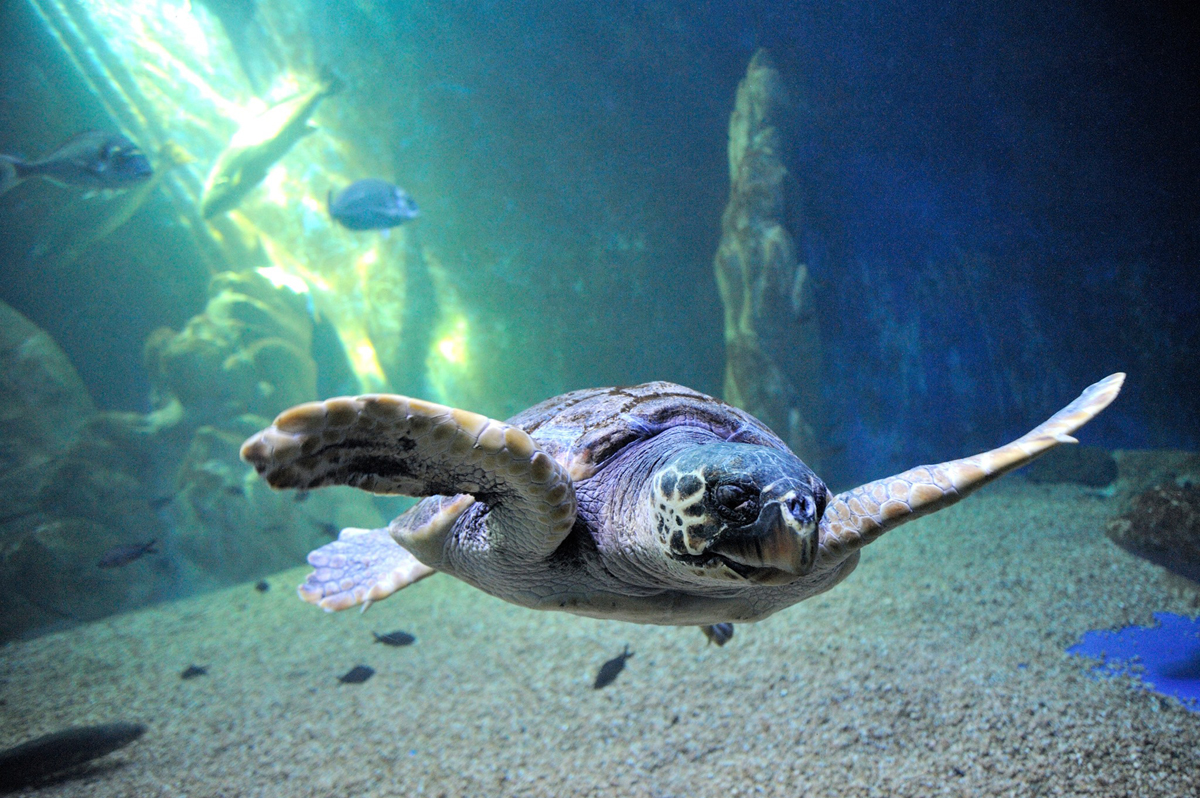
{"x": 942, "y": 225}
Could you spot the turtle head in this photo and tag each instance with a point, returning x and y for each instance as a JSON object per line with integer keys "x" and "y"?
{"x": 739, "y": 511}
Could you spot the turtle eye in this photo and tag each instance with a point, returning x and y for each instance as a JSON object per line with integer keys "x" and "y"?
{"x": 736, "y": 503}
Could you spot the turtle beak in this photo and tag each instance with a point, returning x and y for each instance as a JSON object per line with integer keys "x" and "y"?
{"x": 783, "y": 538}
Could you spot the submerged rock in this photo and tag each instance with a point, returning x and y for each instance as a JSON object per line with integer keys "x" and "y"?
{"x": 248, "y": 352}
{"x": 43, "y": 406}
{"x": 1163, "y": 526}
{"x": 772, "y": 342}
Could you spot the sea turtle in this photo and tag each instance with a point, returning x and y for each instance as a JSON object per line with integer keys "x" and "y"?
{"x": 653, "y": 504}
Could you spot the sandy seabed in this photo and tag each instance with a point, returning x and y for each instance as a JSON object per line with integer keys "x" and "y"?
{"x": 937, "y": 668}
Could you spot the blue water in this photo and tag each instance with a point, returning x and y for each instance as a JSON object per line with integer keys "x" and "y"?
{"x": 1164, "y": 658}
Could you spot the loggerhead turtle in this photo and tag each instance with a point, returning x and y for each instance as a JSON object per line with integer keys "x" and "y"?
{"x": 653, "y": 504}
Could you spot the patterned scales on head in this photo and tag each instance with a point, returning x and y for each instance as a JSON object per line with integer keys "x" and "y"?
{"x": 653, "y": 504}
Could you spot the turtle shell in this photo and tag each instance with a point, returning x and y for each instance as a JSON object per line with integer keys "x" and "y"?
{"x": 584, "y": 429}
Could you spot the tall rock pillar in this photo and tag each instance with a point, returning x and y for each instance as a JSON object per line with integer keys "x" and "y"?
{"x": 772, "y": 343}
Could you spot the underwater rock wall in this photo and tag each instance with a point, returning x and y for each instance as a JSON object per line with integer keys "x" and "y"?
{"x": 772, "y": 342}
{"x": 72, "y": 487}
{"x": 162, "y": 494}
{"x": 248, "y": 352}
{"x": 230, "y": 370}
{"x": 1162, "y": 525}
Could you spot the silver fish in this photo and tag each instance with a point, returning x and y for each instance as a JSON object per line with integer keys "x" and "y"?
{"x": 258, "y": 145}
{"x": 77, "y": 233}
{"x": 96, "y": 160}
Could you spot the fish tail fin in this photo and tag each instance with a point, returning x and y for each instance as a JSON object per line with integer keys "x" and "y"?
{"x": 172, "y": 155}
{"x": 10, "y": 173}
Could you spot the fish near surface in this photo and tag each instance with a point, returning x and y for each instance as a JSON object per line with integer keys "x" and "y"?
{"x": 96, "y": 160}
{"x": 372, "y": 204}
{"x": 256, "y": 147}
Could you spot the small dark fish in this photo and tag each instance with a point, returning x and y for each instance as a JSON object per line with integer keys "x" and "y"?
{"x": 357, "y": 675}
{"x": 95, "y": 160}
{"x": 395, "y": 638}
{"x": 372, "y": 204}
{"x": 234, "y": 490}
{"x": 52, "y": 753}
{"x": 159, "y": 502}
{"x": 192, "y": 671}
{"x": 262, "y": 586}
{"x": 609, "y": 671}
{"x": 118, "y": 556}
{"x": 332, "y": 530}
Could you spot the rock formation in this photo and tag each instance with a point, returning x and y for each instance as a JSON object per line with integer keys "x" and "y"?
{"x": 73, "y": 487}
{"x": 772, "y": 343}
{"x": 248, "y": 352}
{"x": 1163, "y": 526}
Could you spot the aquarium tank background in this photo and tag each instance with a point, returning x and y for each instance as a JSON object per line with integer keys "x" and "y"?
{"x": 897, "y": 233}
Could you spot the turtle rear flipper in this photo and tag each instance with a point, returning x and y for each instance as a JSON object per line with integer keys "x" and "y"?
{"x": 395, "y": 445}
{"x": 857, "y": 517}
{"x": 361, "y": 567}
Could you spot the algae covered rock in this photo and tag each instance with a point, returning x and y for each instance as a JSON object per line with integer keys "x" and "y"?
{"x": 43, "y": 405}
{"x": 65, "y": 552}
{"x": 1163, "y": 526}
{"x": 97, "y": 494}
{"x": 248, "y": 352}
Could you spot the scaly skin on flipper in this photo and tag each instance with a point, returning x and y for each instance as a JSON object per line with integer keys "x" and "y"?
{"x": 857, "y": 517}
{"x": 394, "y": 445}
{"x": 361, "y": 567}
{"x": 650, "y": 503}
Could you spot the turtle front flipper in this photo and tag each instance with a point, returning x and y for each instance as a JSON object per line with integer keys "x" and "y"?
{"x": 361, "y": 567}
{"x": 857, "y": 517}
{"x": 395, "y": 445}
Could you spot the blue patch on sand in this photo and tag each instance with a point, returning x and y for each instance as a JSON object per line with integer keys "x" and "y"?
{"x": 1164, "y": 658}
